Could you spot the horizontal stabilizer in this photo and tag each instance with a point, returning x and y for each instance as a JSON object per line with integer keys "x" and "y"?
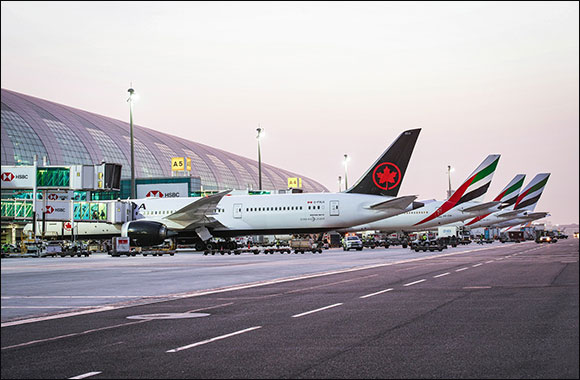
{"x": 510, "y": 214}
{"x": 399, "y": 203}
{"x": 537, "y": 215}
{"x": 482, "y": 207}
{"x": 196, "y": 212}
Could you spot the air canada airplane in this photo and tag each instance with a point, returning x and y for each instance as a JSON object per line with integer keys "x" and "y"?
{"x": 463, "y": 204}
{"x": 519, "y": 207}
{"x": 372, "y": 198}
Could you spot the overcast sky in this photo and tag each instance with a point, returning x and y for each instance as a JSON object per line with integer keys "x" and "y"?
{"x": 324, "y": 79}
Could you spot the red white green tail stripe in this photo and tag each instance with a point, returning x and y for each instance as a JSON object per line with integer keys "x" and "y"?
{"x": 473, "y": 188}
{"x": 507, "y": 196}
{"x": 531, "y": 194}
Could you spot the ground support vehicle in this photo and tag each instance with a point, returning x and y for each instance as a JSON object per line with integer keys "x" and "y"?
{"x": 545, "y": 237}
{"x": 428, "y": 245}
{"x": 352, "y": 242}
{"x": 372, "y": 244}
{"x": 305, "y": 245}
{"x": 512, "y": 236}
{"x": 450, "y": 240}
{"x": 7, "y": 249}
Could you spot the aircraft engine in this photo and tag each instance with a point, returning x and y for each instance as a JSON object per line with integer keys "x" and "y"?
{"x": 146, "y": 233}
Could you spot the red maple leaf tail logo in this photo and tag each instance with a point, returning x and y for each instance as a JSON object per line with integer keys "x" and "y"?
{"x": 387, "y": 176}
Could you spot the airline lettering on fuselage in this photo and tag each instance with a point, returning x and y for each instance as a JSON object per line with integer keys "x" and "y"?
{"x": 387, "y": 176}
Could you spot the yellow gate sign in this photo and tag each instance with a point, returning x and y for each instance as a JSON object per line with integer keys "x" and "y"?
{"x": 295, "y": 183}
{"x": 178, "y": 164}
{"x": 188, "y": 161}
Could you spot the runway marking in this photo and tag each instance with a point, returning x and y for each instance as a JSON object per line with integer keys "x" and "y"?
{"x": 377, "y": 293}
{"x": 329, "y": 284}
{"x": 213, "y": 339}
{"x": 73, "y": 334}
{"x": 476, "y": 265}
{"x": 76, "y": 297}
{"x": 490, "y": 261}
{"x": 441, "y": 275}
{"x": 317, "y": 310}
{"x": 477, "y": 287}
{"x": 415, "y": 282}
{"x": 47, "y": 307}
{"x": 235, "y": 287}
{"x": 89, "y": 374}
{"x": 461, "y": 269}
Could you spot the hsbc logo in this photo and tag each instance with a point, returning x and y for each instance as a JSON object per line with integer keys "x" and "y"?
{"x": 9, "y": 177}
{"x": 155, "y": 194}
{"x": 52, "y": 197}
{"x": 49, "y": 209}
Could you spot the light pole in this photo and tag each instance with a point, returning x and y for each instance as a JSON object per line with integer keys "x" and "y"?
{"x": 339, "y": 184}
{"x": 346, "y": 159}
{"x": 449, "y": 170}
{"x": 260, "y": 134}
{"x": 130, "y": 100}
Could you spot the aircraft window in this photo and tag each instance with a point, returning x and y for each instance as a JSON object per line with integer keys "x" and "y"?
{"x": 309, "y": 207}
{"x": 300, "y": 207}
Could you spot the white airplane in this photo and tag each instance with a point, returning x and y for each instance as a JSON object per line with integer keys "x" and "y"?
{"x": 463, "y": 204}
{"x": 372, "y": 198}
{"x": 521, "y": 207}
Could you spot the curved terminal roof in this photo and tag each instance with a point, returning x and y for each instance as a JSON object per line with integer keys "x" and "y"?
{"x": 69, "y": 136}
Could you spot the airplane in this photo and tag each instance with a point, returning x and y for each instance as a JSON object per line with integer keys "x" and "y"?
{"x": 463, "y": 204}
{"x": 523, "y": 207}
{"x": 508, "y": 196}
{"x": 226, "y": 215}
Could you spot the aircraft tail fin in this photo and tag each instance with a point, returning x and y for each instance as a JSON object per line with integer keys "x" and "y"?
{"x": 384, "y": 177}
{"x": 509, "y": 195}
{"x": 529, "y": 197}
{"x": 476, "y": 185}
{"x": 473, "y": 188}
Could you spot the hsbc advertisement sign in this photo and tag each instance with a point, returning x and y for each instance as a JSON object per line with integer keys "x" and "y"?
{"x": 54, "y": 210}
{"x": 162, "y": 190}
{"x": 17, "y": 177}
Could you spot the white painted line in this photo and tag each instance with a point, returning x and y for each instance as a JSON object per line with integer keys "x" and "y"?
{"x": 48, "y": 307}
{"x": 441, "y": 275}
{"x": 490, "y": 261}
{"x": 71, "y": 335}
{"x": 377, "y": 293}
{"x": 501, "y": 258}
{"x": 461, "y": 269}
{"x": 476, "y": 265}
{"x": 199, "y": 293}
{"x": 213, "y": 339}
{"x": 89, "y": 374}
{"x": 413, "y": 283}
{"x": 314, "y": 311}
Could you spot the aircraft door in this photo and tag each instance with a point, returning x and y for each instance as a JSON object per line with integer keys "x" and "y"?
{"x": 334, "y": 209}
{"x": 237, "y": 210}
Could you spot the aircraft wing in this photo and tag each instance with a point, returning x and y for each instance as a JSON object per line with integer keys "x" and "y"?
{"x": 399, "y": 203}
{"x": 197, "y": 212}
{"x": 482, "y": 207}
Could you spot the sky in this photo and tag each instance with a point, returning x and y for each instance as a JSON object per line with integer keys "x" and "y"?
{"x": 324, "y": 79}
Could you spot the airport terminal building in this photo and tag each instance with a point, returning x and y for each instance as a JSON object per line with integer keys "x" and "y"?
{"x": 64, "y": 136}
{"x": 69, "y": 136}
